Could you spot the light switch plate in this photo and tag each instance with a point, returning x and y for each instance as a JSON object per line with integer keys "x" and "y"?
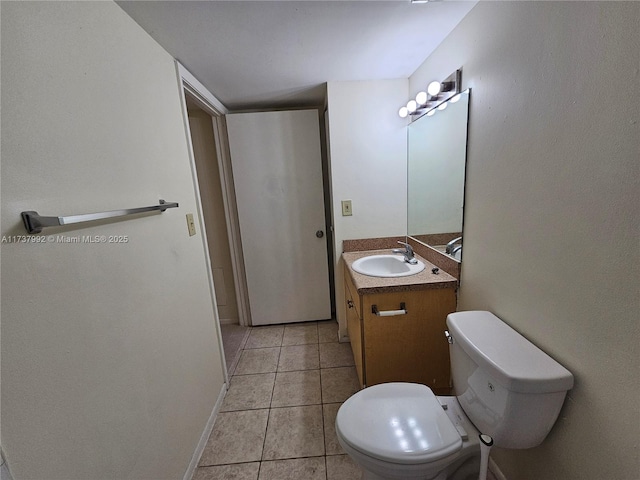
{"x": 191, "y": 224}
{"x": 346, "y": 208}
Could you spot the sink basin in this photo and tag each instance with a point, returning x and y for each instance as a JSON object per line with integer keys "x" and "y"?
{"x": 386, "y": 266}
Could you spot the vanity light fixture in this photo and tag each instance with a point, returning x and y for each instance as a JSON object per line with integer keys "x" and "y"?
{"x": 436, "y": 95}
{"x": 434, "y": 88}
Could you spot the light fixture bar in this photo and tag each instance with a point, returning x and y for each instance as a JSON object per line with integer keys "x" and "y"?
{"x": 436, "y": 93}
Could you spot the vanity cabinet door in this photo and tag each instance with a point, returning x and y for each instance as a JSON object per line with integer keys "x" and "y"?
{"x": 354, "y": 327}
{"x": 410, "y": 347}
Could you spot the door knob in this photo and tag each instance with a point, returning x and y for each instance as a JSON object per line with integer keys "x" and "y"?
{"x": 319, "y": 234}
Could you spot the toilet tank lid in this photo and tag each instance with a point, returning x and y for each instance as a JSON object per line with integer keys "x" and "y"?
{"x": 516, "y": 363}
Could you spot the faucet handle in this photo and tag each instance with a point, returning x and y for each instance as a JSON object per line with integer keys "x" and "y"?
{"x": 450, "y": 245}
{"x": 407, "y": 247}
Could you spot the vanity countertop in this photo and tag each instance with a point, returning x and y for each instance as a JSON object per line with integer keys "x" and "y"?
{"x": 421, "y": 281}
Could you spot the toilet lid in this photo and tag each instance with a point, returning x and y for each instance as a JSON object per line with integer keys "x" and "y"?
{"x": 398, "y": 422}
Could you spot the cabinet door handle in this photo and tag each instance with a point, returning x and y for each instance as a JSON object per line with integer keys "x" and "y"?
{"x": 350, "y": 303}
{"x": 389, "y": 313}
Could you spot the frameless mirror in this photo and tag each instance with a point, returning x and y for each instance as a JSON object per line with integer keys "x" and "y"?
{"x": 437, "y": 152}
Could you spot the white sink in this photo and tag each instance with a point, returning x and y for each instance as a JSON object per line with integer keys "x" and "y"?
{"x": 386, "y": 266}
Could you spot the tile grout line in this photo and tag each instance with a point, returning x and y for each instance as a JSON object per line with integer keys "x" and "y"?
{"x": 266, "y": 429}
{"x": 326, "y": 469}
{"x": 290, "y": 371}
{"x": 271, "y": 406}
{"x": 324, "y": 432}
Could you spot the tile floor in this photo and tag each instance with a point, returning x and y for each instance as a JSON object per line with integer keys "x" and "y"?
{"x": 277, "y": 419}
{"x": 234, "y": 337}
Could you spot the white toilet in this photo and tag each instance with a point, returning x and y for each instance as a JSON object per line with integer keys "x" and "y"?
{"x": 504, "y": 387}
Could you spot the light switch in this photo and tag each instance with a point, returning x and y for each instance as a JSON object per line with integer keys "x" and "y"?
{"x": 346, "y": 208}
{"x": 191, "y": 224}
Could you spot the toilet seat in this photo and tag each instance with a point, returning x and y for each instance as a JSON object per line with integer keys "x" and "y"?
{"x": 402, "y": 423}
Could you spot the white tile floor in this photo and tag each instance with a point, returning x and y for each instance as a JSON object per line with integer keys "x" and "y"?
{"x": 233, "y": 337}
{"x": 277, "y": 419}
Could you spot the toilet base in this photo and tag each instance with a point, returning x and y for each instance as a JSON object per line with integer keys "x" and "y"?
{"x": 469, "y": 470}
{"x": 372, "y": 476}
{"x": 462, "y": 469}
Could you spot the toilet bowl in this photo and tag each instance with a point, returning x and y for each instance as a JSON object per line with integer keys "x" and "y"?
{"x": 504, "y": 386}
{"x": 402, "y": 431}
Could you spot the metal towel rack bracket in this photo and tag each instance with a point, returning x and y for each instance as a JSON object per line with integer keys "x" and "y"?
{"x": 34, "y": 223}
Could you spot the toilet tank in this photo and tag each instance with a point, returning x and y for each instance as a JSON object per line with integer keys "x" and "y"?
{"x": 508, "y": 387}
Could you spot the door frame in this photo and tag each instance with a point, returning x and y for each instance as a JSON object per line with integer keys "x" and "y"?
{"x": 211, "y": 105}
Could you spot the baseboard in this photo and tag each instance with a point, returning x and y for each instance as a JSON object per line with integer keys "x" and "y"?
{"x": 5, "y": 474}
{"x": 195, "y": 459}
{"x": 493, "y": 468}
{"x": 228, "y": 321}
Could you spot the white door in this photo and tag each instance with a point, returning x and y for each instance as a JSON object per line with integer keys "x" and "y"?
{"x": 277, "y": 172}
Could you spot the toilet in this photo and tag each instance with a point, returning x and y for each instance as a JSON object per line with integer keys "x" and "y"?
{"x": 504, "y": 387}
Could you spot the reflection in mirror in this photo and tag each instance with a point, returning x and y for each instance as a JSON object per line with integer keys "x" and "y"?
{"x": 436, "y": 167}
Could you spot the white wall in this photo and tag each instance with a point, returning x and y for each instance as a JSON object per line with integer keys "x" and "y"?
{"x": 551, "y": 220}
{"x": 110, "y": 361}
{"x": 368, "y": 164}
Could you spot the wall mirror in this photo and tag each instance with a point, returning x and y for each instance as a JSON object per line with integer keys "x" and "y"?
{"x": 437, "y": 152}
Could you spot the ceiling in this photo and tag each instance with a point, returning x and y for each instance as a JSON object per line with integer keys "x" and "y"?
{"x": 266, "y": 54}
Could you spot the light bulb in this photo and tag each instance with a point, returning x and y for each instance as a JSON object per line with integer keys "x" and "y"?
{"x": 421, "y": 98}
{"x": 412, "y": 106}
{"x": 434, "y": 88}
{"x": 442, "y": 106}
{"x": 455, "y": 98}
{"x": 403, "y": 112}
{"x": 431, "y": 112}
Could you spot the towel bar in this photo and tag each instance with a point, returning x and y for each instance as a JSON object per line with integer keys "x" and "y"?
{"x": 389, "y": 313}
{"x": 34, "y": 223}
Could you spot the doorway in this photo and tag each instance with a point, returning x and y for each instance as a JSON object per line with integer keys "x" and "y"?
{"x": 206, "y": 133}
{"x": 210, "y": 184}
{"x": 206, "y": 160}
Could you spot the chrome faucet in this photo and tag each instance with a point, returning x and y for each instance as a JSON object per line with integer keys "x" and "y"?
{"x": 407, "y": 252}
{"x": 450, "y": 248}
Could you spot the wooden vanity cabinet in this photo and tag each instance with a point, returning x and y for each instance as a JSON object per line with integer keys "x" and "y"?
{"x": 401, "y": 348}
{"x": 354, "y": 326}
